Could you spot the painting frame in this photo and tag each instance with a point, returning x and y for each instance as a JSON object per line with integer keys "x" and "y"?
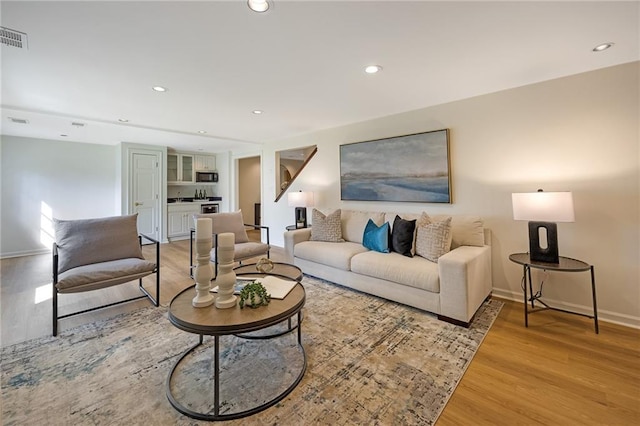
{"x": 407, "y": 168}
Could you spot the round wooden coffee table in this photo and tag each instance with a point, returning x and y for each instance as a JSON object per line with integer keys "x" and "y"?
{"x": 235, "y": 321}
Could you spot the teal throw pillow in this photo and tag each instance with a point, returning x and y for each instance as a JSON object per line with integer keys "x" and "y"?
{"x": 376, "y": 237}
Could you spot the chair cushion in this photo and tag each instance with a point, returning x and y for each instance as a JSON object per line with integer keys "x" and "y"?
{"x": 227, "y": 222}
{"x": 86, "y": 241}
{"x": 246, "y": 250}
{"x": 103, "y": 274}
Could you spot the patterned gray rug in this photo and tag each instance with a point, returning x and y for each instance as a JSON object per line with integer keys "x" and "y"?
{"x": 370, "y": 361}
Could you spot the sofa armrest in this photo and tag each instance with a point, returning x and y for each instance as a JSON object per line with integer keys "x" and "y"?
{"x": 465, "y": 281}
{"x": 291, "y": 238}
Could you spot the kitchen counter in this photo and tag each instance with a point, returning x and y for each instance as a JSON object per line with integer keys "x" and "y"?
{"x": 173, "y": 201}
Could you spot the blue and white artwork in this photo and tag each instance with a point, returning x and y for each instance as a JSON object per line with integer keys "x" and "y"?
{"x": 411, "y": 168}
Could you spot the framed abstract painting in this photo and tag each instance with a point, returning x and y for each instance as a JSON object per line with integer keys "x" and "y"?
{"x": 409, "y": 168}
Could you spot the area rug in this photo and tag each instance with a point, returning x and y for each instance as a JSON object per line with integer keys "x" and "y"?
{"x": 369, "y": 361}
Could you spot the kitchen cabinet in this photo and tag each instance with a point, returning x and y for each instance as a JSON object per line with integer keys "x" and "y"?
{"x": 180, "y": 220}
{"x": 180, "y": 168}
{"x": 205, "y": 163}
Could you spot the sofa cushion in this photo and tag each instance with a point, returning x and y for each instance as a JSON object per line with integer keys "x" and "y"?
{"x": 433, "y": 239}
{"x": 354, "y": 222}
{"x": 334, "y": 255}
{"x": 86, "y": 241}
{"x": 226, "y": 222}
{"x": 376, "y": 237}
{"x": 403, "y": 236}
{"x": 410, "y": 271}
{"x": 466, "y": 230}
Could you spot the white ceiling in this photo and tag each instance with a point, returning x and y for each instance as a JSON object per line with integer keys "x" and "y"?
{"x": 301, "y": 63}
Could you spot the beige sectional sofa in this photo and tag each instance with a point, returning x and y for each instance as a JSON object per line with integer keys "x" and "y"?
{"x": 454, "y": 287}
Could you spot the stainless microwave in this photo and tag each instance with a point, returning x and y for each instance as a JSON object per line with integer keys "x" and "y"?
{"x": 206, "y": 176}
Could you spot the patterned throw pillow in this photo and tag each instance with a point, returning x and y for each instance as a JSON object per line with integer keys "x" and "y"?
{"x": 326, "y": 228}
{"x": 423, "y": 220}
{"x": 433, "y": 239}
{"x": 402, "y": 236}
{"x": 376, "y": 237}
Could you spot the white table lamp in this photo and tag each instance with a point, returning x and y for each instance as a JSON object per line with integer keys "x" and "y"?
{"x": 542, "y": 210}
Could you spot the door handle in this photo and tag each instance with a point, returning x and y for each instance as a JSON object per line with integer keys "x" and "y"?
{"x": 137, "y": 204}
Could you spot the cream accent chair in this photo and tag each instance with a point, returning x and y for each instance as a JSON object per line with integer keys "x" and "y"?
{"x": 230, "y": 222}
{"x": 91, "y": 254}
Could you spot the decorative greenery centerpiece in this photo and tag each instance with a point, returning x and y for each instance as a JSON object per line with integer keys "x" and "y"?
{"x": 254, "y": 295}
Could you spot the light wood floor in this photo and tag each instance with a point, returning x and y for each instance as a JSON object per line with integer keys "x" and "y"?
{"x": 556, "y": 372}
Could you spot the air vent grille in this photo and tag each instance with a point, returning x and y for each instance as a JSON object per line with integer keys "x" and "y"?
{"x": 18, "y": 120}
{"x": 13, "y": 38}
{"x": 77, "y": 124}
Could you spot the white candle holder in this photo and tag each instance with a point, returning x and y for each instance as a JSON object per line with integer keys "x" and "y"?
{"x": 226, "y": 278}
{"x": 204, "y": 272}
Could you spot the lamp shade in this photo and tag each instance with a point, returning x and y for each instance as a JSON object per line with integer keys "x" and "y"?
{"x": 300, "y": 199}
{"x": 543, "y": 206}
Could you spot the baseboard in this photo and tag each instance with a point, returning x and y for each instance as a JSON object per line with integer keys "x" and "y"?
{"x": 603, "y": 315}
{"x": 24, "y": 253}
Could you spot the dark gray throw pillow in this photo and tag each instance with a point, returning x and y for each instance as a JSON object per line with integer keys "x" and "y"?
{"x": 402, "y": 236}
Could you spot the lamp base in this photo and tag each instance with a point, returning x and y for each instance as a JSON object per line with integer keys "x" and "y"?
{"x": 301, "y": 217}
{"x": 536, "y": 252}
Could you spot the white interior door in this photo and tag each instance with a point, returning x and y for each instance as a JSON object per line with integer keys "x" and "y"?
{"x": 145, "y": 190}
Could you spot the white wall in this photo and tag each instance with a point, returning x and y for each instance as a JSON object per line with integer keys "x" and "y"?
{"x": 225, "y": 182}
{"x": 73, "y": 180}
{"x": 579, "y": 133}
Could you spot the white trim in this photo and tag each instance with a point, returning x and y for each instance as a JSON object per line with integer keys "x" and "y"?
{"x": 24, "y": 253}
{"x": 603, "y": 315}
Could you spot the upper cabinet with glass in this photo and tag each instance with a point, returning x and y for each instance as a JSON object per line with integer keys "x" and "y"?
{"x": 180, "y": 168}
{"x": 289, "y": 164}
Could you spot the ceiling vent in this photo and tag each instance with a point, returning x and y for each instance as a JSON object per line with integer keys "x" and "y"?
{"x": 13, "y": 38}
{"x": 19, "y": 120}
{"x": 77, "y": 124}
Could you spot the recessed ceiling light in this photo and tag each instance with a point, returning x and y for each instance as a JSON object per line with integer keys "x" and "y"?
{"x": 372, "y": 69}
{"x": 258, "y": 5}
{"x": 603, "y": 46}
{"x": 159, "y": 89}
{"x": 257, "y": 111}
{"x": 202, "y": 132}
{"x": 123, "y": 120}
